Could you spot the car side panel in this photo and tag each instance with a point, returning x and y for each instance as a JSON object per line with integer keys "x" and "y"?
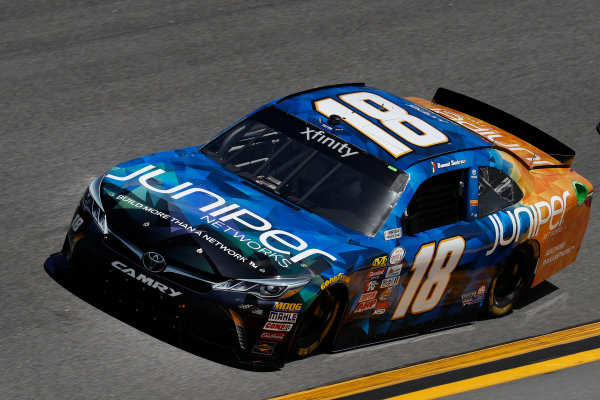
{"x": 559, "y": 247}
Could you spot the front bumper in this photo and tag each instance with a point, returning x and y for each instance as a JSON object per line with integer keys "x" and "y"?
{"x": 231, "y": 322}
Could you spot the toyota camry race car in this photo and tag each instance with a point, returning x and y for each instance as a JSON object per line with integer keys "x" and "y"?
{"x": 333, "y": 218}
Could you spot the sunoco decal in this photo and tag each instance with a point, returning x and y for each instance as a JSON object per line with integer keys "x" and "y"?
{"x": 265, "y": 348}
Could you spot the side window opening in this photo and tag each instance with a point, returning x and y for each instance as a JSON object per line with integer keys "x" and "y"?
{"x": 437, "y": 202}
{"x": 496, "y": 191}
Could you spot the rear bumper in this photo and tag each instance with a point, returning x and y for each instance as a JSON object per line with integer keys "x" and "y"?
{"x": 90, "y": 266}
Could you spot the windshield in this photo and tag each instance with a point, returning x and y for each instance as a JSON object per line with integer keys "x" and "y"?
{"x": 310, "y": 168}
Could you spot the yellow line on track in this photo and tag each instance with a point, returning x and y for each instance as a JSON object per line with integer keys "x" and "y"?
{"x": 483, "y": 356}
{"x": 497, "y": 378}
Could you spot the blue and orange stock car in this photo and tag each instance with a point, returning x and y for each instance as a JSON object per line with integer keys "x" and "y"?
{"x": 339, "y": 216}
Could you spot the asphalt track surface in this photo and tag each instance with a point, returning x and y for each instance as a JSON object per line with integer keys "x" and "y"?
{"x": 88, "y": 84}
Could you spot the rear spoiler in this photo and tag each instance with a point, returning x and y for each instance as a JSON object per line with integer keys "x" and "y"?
{"x": 507, "y": 122}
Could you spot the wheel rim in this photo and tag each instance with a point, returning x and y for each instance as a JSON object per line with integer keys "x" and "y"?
{"x": 316, "y": 324}
{"x": 317, "y": 319}
{"x": 511, "y": 278}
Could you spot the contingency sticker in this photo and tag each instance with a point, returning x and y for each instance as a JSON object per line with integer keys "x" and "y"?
{"x": 395, "y": 233}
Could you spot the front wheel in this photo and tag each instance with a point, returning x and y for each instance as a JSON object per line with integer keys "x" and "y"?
{"x": 316, "y": 324}
{"x": 513, "y": 277}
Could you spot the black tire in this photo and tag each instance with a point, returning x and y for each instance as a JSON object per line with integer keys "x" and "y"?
{"x": 316, "y": 324}
{"x": 513, "y": 278}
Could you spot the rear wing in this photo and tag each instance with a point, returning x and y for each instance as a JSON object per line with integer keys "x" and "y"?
{"x": 521, "y": 129}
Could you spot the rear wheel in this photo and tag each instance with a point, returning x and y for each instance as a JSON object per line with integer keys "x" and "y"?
{"x": 316, "y": 324}
{"x": 513, "y": 277}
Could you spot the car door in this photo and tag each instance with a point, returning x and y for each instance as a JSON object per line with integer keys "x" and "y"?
{"x": 438, "y": 224}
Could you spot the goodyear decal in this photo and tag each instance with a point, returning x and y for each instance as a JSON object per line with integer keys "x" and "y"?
{"x": 338, "y": 278}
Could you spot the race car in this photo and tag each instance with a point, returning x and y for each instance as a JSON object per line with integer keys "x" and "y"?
{"x": 330, "y": 219}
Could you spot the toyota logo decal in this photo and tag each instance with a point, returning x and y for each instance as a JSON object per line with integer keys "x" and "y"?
{"x": 154, "y": 262}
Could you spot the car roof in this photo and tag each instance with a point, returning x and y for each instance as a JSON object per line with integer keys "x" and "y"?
{"x": 459, "y": 138}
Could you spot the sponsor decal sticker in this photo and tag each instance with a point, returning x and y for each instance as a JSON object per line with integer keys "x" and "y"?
{"x": 393, "y": 271}
{"x": 474, "y": 173}
{"x": 391, "y": 234}
{"x": 383, "y": 304}
{"x": 329, "y": 141}
{"x": 376, "y": 273}
{"x": 474, "y": 203}
{"x": 385, "y": 294}
{"x": 433, "y": 168}
{"x": 371, "y": 285}
{"x": 472, "y": 300}
{"x": 379, "y": 311}
{"x": 364, "y": 306}
{"x": 379, "y": 261}
{"x": 265, "y": 348}
{"x": 213, "y": 204}
{"x": 338, "y": 278}
{"x": 275, "y": 326}
{"x": 279, "y": 306}
{"x": 468, "y": 295}
{"x": 535, "y": 216}
{"x": 481, "y": 290}
{"x": 389, "y": 282}
{"x": 490, "y": 133}
{"x": 279, "y": 336}
{"x": 367, "y": 296}
{"x": 283, "y": 316}
{"x": 397, "y": 255}
{"x": 381, "y": 307}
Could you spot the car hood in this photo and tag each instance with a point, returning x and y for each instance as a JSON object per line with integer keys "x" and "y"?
{"x": 210, "y": 222}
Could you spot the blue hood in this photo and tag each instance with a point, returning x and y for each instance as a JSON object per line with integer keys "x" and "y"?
{"x": 206, "y": 220}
